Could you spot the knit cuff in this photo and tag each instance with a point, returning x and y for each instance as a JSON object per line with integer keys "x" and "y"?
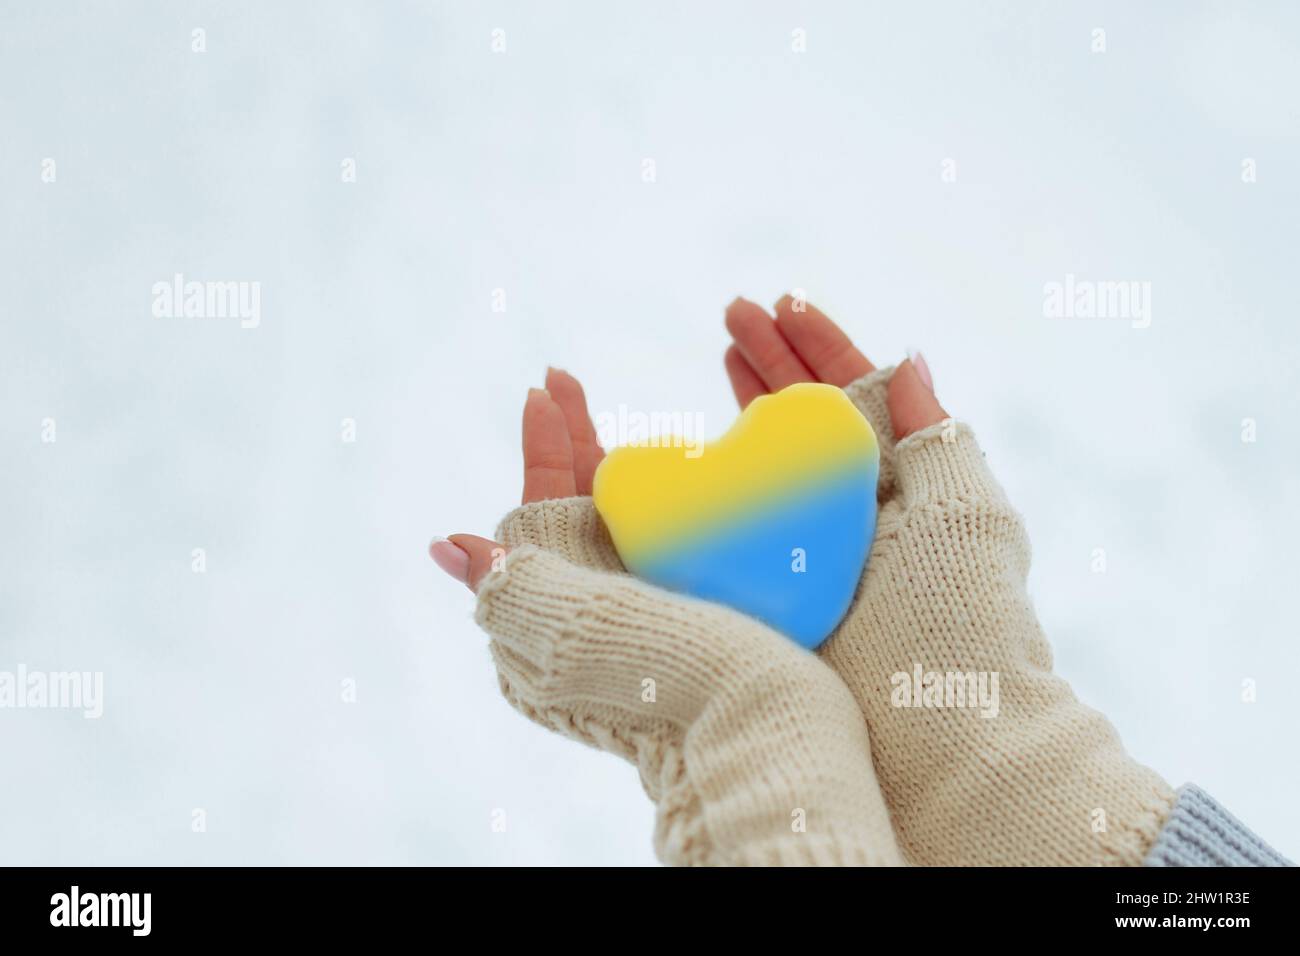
{"x": 569, "y": 527}
{"x": 525, "y": 609}
{"x": 1199, "y": 832}
{"x": 943, "y": 463}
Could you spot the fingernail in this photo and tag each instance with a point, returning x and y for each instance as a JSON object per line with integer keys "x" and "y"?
{"x": 538, "y": 393}
{"x": 450, "y": 558}
{"x": 922, "y": 370}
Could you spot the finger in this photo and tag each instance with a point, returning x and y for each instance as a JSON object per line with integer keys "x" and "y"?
{"x": 452, "y": 559}
{"x": 744, "y": 380}
{"x": 548, "y": 453}
{"x": 764, "y": 349}
{"x": 568, "y": 394}
{"x": 912, "y": 405}
{"x": 481, "y": 555}
{"x": 820, "y": 343}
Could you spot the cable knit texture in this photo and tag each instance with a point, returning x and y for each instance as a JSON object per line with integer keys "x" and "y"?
{"x": 1045, "y": 781}
{"x": 752, "y": 749}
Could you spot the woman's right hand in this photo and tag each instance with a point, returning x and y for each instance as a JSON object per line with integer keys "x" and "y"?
{"x": 1015, "y": 771}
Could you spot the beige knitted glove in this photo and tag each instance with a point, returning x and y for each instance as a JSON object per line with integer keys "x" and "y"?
{"x": 1043, "y": 782}
{"x": 752, "y": 749}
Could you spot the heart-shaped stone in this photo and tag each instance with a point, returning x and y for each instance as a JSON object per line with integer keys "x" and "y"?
{"x": 774, "y": 519}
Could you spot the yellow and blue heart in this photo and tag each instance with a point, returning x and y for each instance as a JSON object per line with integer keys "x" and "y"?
{"x": 775, "y": 519}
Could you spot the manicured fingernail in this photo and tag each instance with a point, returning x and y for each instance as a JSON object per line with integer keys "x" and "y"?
{"x": 922, "y": 370}
{"x": 450, "y": 558}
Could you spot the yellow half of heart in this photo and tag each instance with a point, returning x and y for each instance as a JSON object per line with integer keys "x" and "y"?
{"x": 654, "y": 499}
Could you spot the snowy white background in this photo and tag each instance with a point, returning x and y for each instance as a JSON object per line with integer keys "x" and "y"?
{"x": 522, "y": 170}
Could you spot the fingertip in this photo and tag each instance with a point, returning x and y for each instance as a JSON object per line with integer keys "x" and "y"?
{"x": 912, "y": 405}
{"x": 731, "y": 315}
{"x": 539, "y": 408}
{"x": 562, "y": 386}
{"x": 821, "y": 345}
{"x": 922, "y": 368}
{"x": 559, "y": 384}
{"x": 760, "y": 342}
{"x": 741, "y": 314}
{"x": 557, "y": 378}
{"x": 548, "y": 449}
{"x": 567, "y": 392}
{"x": 451, "y": 557}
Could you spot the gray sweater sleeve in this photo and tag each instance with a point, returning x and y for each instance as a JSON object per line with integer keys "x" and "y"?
{"x": 1199, "y": 832}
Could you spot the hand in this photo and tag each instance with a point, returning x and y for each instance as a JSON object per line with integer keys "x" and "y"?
{"x": 561, "y": 453}
{"x": 1027, "y": 775}
{"x": 803, "y": 345}
{"x": 752, "y": 749}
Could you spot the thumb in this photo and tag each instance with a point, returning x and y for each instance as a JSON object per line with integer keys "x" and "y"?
{"x": 467, "y": 557}
{"x": 911, "y": 401}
